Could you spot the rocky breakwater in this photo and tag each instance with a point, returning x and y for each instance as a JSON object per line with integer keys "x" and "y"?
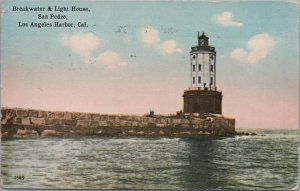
{"x": 30, "y": 123}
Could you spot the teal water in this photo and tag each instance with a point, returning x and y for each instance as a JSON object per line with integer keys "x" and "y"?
{"x": 267, "y": 162}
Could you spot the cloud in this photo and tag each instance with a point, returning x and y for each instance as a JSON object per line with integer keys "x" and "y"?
{"x": 259, "y": 47}
{"x": 150, "y": 37}
{"x": 85, "y": 44}
{"x": 110, "y": 59}
{"x": 82, "y": 44}
{"x": 225, "y": 19}
{"x": 169, "y": 47}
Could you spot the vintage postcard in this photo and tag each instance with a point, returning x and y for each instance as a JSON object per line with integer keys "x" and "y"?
{"x": 177, "y": 95}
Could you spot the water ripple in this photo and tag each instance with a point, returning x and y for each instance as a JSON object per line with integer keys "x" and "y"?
{"x": 246, "y": 162}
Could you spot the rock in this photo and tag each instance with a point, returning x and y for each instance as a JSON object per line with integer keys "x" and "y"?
{"x": 170, "y": 120}
{"x": 68, "y": 115}
{"x": 10, "y": 113}
{"x": 33, "y": 133}
{"x": 70, "y": 122}
{"x": 83, "y": 123}
{"x": 49, "y": 132}
{"x": 131, "y": 131}
{"x": 59, "y": 115}
{"x": 163, "y": 121}
{"x": 177, "y": 121}
{"x": 206, "y": 133}
{"x": 117, "y": 118}
{"x": 123, "y": 123}
{"x": 22, "y": 113}
{"x": 4, "y": 121}
{"x": 21, "y": 132}
{"x": 135, "y": 124}
{"x": 151, "y": 119}
{"x": 33, "y": 113}
{"x": 25, "y": 121}
{"x": 75, "y": 116}
{"x": 95, "y": 117}
{"x": 217, "y": 115}
{"x": 104, "y": 117}
{"x": 54, "y": 122}
{"x": 5, "y": 134}
{"x": 3, "y": 113}
{"x": 50, "y": 114}
{"x": 196, "y": 114}
{"x": 160, "y": 125}
{"x": 42, "y": 114}
{"x": 94, "y": 124}
{"x": 37, "y": 121}
{"x": 102, "y": 123}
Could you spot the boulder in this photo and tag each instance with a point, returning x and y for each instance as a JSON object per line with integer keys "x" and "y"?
{"x": 49, "y": 132}
{"x": 102, "y": 123}
{"x": 10, "y": 113}
{"x": 3, "y": 113}
{"x": 70, "y": 122}
{"x": 131, "y": 131}
{"x": 83, "y": 123}
{"x": 33, "y": 113}
{"x": 52, "y": 121}
{"x": 42, "y": 114}
{"x": 68, "y": 115}
{"x": 37, "y": 121}
{"x": 50, "y": 115}
{"x": 135, "y": 124}
{"x": 95, "y": 117}
{"x": 25, "y": 121}
{"x": 94, "y": 124}
{"x": 59, "y": 115}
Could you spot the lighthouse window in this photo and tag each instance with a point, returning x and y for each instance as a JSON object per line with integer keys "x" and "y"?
{"x": 199, "y": 67}
{"x": 193, "y": 68}
{"x": 193, "y": 80}
{"x": 199, "y": 80}
{"x": 211, "y": 68}
{"x": 211, "y": 80}
{"x": 194, "y": 57}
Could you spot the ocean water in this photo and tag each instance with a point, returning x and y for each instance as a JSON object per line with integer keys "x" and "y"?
{"x": 268, "y": 161}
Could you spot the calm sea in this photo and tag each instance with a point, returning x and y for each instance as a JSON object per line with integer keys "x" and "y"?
{"x": 268, "y": 161}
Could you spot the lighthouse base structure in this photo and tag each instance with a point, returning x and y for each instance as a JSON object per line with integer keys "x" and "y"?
{"x": 202, "y": 101}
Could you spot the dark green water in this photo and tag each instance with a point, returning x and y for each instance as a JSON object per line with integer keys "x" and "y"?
{"x": 267, "y": 162}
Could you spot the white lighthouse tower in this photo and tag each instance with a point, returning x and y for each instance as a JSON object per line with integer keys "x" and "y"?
{"x": 203, "y": 64}
{"x": 202, "y": 96}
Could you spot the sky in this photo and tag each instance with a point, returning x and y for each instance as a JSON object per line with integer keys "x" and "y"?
{"x": 134, "y": 57}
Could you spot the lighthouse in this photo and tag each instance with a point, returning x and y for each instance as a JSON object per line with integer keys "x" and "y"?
{"x": 202, "y": 95}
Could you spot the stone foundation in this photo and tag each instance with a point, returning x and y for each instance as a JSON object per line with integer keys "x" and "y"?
{"x": 31, "y": 123}
{"x": 202, "y": 101}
